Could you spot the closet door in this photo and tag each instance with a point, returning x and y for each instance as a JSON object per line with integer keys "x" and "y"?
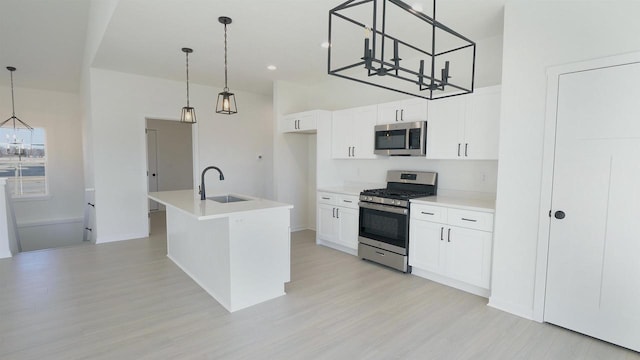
{"x": 593, "y": 272}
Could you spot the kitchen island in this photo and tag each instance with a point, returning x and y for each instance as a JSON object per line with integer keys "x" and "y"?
{"x": 238, "y": 251}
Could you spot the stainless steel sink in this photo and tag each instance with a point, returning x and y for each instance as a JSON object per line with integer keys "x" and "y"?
{"x": 226, "y": 199}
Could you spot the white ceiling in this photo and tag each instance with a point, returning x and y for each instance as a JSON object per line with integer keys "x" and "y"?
{"x": 45, "y": 39}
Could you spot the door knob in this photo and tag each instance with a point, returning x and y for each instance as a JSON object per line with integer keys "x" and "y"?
{"x": 559, "y": 215}
{"x": 153, "y": 174}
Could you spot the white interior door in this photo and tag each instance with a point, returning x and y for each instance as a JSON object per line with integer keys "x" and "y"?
{"x": 593, "y": 273}
{"x": 152, "y": 165}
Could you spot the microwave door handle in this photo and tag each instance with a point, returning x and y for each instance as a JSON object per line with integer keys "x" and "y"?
{"x": 407, "y": 139}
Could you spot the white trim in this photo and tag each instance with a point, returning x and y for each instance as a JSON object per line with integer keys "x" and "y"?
{"x": 121, "y": 237}
{"x": 546, "y": 191}
{"x": 34, "y": 223}
{"x": 511, "y": 308}
{"x": 473, "y": 289}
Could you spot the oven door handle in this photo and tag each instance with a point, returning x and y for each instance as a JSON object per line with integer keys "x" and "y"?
{"x": 387, "y": 208}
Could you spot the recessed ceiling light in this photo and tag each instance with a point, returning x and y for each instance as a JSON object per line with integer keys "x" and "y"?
{"x": 417, "y": 7}
{"x": 271, "y": 67}
{"x": 325, "y": 44}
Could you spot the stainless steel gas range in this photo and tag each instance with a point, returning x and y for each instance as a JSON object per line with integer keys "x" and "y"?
{"x": 384, "y": 217}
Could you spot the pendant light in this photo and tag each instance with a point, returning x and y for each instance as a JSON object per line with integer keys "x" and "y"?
{"x": 404, "y": 49}
{"x": 226, "y": 103}
{"x": 13, "y": 117}
{"x": 188, "y": 113}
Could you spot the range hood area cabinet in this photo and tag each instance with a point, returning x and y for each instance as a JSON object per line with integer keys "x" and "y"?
{"x": 402, "y": 111}
{"x": 465, "y": 127}
{"x": 303, "y": 122}
{"x": 352, "y": 133}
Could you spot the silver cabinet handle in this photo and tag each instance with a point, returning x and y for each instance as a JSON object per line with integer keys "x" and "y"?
{"x": 326, "y": 198}
{"x": 353, "y": 151}
{"x": 466, "y": 145}
{"x": 449, "y": 235}
{"x": 465, "y": 219}
{"x": 441, "y": 233}
{"x": 337, "y": 213}
{"x": 459, "y": 149}
{"x": 396, "y": 114}
{"x": 334, "y": 212}
{"x": 348, "y": 201}
{"x": 426, "y": 213}
{"x": 402, "y": 115}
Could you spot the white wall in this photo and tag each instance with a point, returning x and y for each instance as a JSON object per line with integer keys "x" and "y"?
{"x": 59, "y": 114}
{"x": 291, "y": 153}
{"x": 537, "y": 35}
{"x": 119, "y": 105}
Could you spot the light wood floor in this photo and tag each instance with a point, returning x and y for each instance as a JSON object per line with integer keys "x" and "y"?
{"x": 126, "y": 300}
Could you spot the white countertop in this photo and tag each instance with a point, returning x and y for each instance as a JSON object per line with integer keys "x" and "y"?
{"x": 345, "y": 190}
{"x": 189, "y": 202}
{"x": 486, "y": 205}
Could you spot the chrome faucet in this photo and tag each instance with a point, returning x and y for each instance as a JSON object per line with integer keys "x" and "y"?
{"x": 203, "y": 194}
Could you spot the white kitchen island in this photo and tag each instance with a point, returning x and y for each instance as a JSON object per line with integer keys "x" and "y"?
{"x": 239, "y": 252}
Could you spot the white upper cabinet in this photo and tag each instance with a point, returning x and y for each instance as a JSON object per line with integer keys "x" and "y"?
{"x": 465, "y": 127}
{"x": 405, "y": 110}
{"x": 304, "y": 122}
{"x": 352, "y": 133}
{"x": 445, "y": 128}
{"x": 482, "y": 124}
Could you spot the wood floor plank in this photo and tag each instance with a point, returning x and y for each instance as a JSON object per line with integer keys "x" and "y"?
{"x": 127, "y": 300}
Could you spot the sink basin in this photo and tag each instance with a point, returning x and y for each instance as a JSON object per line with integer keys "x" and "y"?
{"x": 226, "y": 199}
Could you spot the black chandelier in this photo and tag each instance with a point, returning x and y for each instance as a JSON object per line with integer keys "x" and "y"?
{"x": 226, "y": 103}
{"x": 188, "y": 115}
{"x": 405, "y": 50}
{"x": 13, "y": 117}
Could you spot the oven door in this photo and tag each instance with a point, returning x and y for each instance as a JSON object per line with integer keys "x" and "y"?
{"x": 385, "y": 227}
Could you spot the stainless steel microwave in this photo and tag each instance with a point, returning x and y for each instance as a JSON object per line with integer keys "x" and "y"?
{"x": 401, "y": 139}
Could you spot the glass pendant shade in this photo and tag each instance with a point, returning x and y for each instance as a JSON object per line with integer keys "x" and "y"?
{"x": 188, "y": 115}
{"x": 226, "y": 103}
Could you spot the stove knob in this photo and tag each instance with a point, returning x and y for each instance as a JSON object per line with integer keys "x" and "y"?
{"x": 397, "y": 202}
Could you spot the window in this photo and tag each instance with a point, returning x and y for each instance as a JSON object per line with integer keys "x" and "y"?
{"x": 22, "y": 161}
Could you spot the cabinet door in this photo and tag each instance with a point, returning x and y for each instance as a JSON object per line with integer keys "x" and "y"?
{"x": 342, "y": 133}
{"x": 426, "y": 242}
{"x": 445, "y": 125}
{"x": 307, "y": 123}
{"x": 299, "y": 122}
{"x": 468, "y": 256}
{"x": 327, "y": 222}
{"x": 414, "y": 110}
{"x": 288, "y": 124}
{"x": 482, "y": 122}
{"x": 363, "y": 136}
{"x": 389, "y": 112}
{"x": 348, "y": 227}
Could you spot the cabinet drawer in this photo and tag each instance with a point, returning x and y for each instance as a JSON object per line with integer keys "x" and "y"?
{"x": 470, "y": 219}
{"x": 348, "y": 201}
{"x": 428, "y": 213}
{"x": 327, "y": 198}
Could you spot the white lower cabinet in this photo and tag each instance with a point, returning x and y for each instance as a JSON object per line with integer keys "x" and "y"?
{"x": 338, "y": 217}
{"x": 452, "y": 246}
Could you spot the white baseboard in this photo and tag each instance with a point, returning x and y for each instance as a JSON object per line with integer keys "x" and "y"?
{"x": 476, "y": 290}
{"x": 514, "y": 309}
